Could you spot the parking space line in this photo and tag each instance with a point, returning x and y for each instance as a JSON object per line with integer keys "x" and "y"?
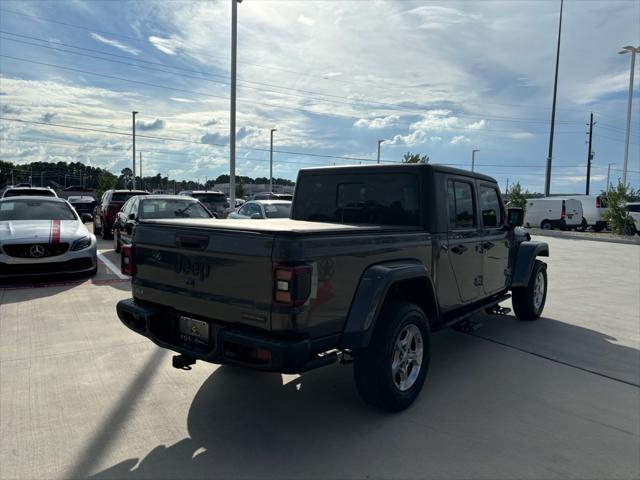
{"x": 109, "y": 264}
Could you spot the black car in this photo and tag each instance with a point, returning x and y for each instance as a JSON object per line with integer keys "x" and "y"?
{"x": 83, "y": 205}
{"x": 153, "y": 207}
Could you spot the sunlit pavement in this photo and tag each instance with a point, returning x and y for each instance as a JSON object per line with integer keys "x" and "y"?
{"x": 83, "y": 396}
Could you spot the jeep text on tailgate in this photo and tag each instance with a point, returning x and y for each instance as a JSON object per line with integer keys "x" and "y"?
{"x": 372, "y": 261}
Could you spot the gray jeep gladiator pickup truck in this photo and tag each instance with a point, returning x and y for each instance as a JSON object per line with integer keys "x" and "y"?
{"x": 372, "y": 260}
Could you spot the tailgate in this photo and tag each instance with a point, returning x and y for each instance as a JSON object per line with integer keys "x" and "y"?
{"x": 225, "y": 275}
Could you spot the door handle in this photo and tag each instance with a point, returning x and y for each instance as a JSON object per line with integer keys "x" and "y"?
{"x": 487, "y": 245}
{"x": 459, "y": 249}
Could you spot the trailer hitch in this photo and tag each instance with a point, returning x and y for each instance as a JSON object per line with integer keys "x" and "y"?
{"x": 182, "y": 362}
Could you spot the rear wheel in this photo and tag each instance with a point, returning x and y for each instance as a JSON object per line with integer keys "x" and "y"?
{"x": 391, "y": 371}
{"x": 528, "y": 302}
{"x": 96, "y": 229}
{"x": 117, "y": 246}
{"x": 546, "y": 225}
{"x": 106, "y": 232}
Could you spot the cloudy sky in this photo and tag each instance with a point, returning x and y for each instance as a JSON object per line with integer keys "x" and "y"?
{"x": 334, "y": 77}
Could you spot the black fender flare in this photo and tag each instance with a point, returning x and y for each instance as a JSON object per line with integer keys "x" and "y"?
{"x": 370, "y": 296}
{"x": 524, "y": 261}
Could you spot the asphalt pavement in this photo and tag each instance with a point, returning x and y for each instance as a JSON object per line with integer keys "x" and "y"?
{"x": 82, "y": 396}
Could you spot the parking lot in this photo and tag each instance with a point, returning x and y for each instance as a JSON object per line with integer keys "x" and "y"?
{"x": 83, "y": 396}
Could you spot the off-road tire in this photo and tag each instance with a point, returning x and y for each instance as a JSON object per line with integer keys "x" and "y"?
{"x": 524, "y": 301}
{"x": 373, "y": 365}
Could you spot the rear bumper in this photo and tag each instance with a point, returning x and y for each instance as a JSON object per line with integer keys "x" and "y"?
{"x": 228, "y": 344}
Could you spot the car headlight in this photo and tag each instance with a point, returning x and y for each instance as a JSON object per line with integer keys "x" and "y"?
{"x": 84, "y": 242}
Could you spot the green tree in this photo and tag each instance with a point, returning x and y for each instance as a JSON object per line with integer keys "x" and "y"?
{"x": 617, "y": 215}
{"x": 516, "y": 196}
{"x": 106, "y": 181}
{"x": 240, "y": 189}
{"x": 415, "y": 158}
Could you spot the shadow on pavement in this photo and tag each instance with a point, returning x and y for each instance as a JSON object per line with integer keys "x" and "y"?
{"x": 249, "y": 424}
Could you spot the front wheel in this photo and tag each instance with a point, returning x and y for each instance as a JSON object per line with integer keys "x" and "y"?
{"x": 390, "y": 372}
{"x": 528, "y": 302}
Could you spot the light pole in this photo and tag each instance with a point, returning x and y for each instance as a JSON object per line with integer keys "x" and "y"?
{"x": 141, "y": 181}
{"x": 609, "y": 174}
{"x": 473, "y": 159}
{"x": 547, "y": 179}
{"x": 633, "y": 51}
{"x": 271, "y": 159}
{"x": 379, "y": 143}
{"x": 133, "y": 124}
{"x": 232, "y": 109}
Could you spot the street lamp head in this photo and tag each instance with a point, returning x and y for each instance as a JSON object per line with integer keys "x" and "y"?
{"x": 629, "y": 48}
{"x": 274, "y": 129}
{"x": 135, "y": 113}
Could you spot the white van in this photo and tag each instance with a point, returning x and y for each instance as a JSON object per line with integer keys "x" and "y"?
{"x": 552, "y": 212}
{"x": 594, "y": 208}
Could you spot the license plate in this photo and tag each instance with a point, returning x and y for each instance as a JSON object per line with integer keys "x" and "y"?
{"x": 194, "y": 331}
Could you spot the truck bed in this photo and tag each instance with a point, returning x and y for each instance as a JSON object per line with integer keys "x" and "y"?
{"x": 275, "y": 226}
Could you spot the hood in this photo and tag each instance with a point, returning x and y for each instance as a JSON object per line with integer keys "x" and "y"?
{"x": 41, "y": 231}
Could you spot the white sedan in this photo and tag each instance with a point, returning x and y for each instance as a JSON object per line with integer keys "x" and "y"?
{"x": 44, "y": 236}
{"x": 260, "y": 209}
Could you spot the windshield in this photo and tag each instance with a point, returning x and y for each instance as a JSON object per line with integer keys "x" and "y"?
{"x": 35, "y": 210}
{"x": 163, "y": 208}
{"x": 277, "y": 210}
{"x": 29, "y": 192}
{"x": 124, "y": 196}
{"x": 210, "y": 197}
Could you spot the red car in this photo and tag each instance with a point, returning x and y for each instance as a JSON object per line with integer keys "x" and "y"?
{"x": 104, "y": 214}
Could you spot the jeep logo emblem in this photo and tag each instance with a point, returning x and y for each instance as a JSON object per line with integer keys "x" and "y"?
{"x": 197, "y": 269}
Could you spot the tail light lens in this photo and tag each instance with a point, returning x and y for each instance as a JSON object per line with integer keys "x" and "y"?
{"x": 563, "y": 215}
{"x": 291, "y": 285}
{"x": 597, "y": 202}
{"x": 127, "y": 263}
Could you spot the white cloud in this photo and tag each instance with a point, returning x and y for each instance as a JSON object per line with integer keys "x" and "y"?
{"x": 521, "y": 135}
{"x": 377, "y": 123}
{"x": 477, "y": 125}
{"x": 181, "y": 100}
{"x": 434, "y": 17}
{"x": 305, "y": 20}
{"x": 435, "y": 139}
{"x": 115, "y": 44}
{"x": 459, "y": 139}
{"x": 166, "y": 45}
{"x": 157, "y": 124}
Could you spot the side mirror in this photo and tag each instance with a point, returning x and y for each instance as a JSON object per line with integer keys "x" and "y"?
{"x": 132, "y": 216}
{"x": 86, "y": 217}
{"x": 256, "y": 216}
{"x": 515, "y": 217}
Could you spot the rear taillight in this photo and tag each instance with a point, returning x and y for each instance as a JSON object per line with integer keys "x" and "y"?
{"x": 127, "y": 263}
{"x": 597, "y": 202}
{"x": 563, "y": 215}
{"x": 292, "y": 285}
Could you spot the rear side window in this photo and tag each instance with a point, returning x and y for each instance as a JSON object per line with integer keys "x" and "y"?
{"x": 373, "y": 198}
{"x": 490, "y": 207}
{"x": 460, "y": 202}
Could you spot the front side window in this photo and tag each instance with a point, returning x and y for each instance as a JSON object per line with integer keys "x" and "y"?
{"x": 170, "y": 208}
{"x": 490, "y": 207}
{"x": 460, "y": 203}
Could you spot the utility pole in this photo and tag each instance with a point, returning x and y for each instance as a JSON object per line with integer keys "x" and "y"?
{"x": 141, "y": 181}
{"x": 589, "y": 153}
{"x": 473, "y": 159}
{"x": 271, "y": 161}
{"x": 507, "y": 189}
{"x": 379, "y": 142}
{"x": 232, "y": 109}
{"x": 547, "y": 179}
{"x": 134, "y": 147}
{"x": 41, "y": 178}
{"x": 633, "y": 51}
